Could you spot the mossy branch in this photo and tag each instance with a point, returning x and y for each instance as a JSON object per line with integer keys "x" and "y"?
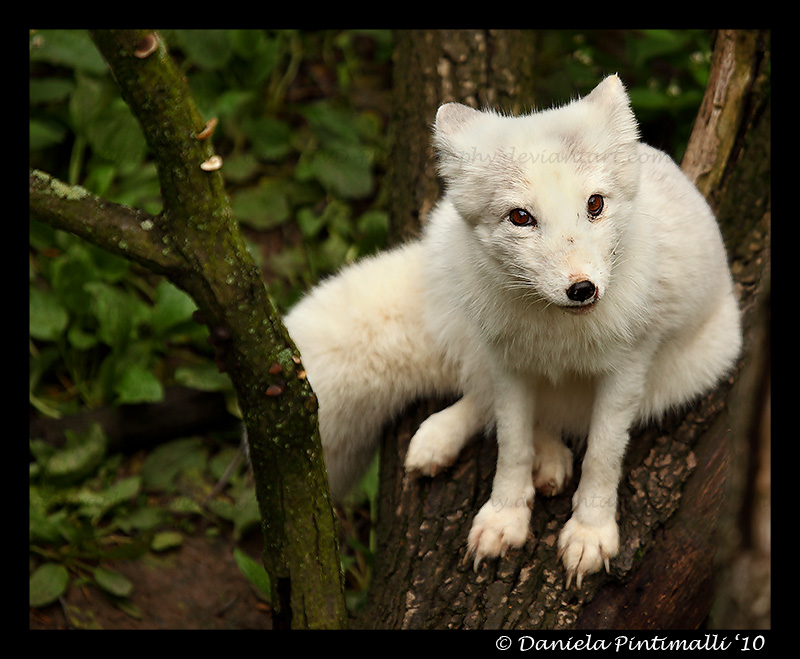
{"x": 196, "y": 243}
{"x": 126, "y": 231}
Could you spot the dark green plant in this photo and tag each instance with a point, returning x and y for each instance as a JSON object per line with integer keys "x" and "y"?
{"x": 313, "y": 163}
{"x": 86, "y": 512}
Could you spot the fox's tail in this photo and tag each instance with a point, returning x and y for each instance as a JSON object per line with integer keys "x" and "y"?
{"x": 363, "y": 342}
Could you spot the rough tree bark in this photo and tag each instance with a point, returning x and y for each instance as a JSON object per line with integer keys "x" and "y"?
{"x": 685, "y": 482}
{"x": 196, "y": 243}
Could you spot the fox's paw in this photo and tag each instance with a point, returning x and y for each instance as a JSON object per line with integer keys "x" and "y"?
{"x": 552, "y": 465}
{"x": 585, "y": 548}
{"x": 433, "y": 447}
{"x": 497, "y": 527}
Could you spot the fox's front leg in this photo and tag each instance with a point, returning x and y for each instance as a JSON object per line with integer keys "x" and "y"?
{"x": 440, "y": 438}
{"x": 590, "y": 538}
{"x": 504, "y": 520}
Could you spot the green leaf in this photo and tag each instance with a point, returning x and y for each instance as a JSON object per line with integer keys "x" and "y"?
{"x": 49, "y": 90}
{"x": 118, "y": 313}
{"x": 373, "y": 227}
{"x": 115, "y": 135}
{"x": 262, "y": 207}
{"x": 108, "y": 266}
{"x": 130, "y": 609}
{"x": 69, "y": 273}
{"x": 94, "y": 504}
{"x": 331, "y": 254}
{"x": 243, "y": 512}
{"x": 80, "y": 617}
{"x": 254, "y": 571}
{"x": 203, "y": 377}
{"x": 112, "y": 582}
{"x": 246, "y": 43}
{"x": 208, "y": 49}
{"x": 88, "y": 99}
{"x": 81, "y": 340}
{"x": 240, "y": 167}
{"x": 310, "y": 223}
{"x": 47, "y": 317}
{"x": 42, "y": 134}
{"x": 69, "y": 48}
{"x": 344, "y": 169}
{"x": 81, "y": 456}
{"x": 271, "y": 138}
{"x": 44, "y": 527}
{"x": 166, "y": 540}
{"x": 47, "y": 583}
{"x": 100, "y": 177}
{"x": 332, "y": 125}
{"x": 261, "y": 52}
{"x": 162, "y": 465}
{"x": 645, "y": 98}
{"x": 184, "y": 505}
{"x": 138, "y": 187}
{"x": 142, "y": 519}
{"x": 658, "y": 43}
{"x": 138, "y": 384}
{"x": 171, "y": 307}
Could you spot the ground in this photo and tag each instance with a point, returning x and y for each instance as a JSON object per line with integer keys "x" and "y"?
{"x": 197, "y": 586}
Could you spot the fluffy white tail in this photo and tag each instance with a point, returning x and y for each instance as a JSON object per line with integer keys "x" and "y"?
{"x": 364, "y": 346}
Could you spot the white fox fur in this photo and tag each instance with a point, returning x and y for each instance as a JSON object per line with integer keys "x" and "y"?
{"x": 603, "y": 304}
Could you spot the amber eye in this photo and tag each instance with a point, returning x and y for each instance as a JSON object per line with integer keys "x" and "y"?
{"x": 595, "y": 205}
{"x": 521, "y": 218}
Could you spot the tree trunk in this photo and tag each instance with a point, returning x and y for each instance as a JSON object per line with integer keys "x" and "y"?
{"x": 196, "y": 243}
{"x": 686, "y": 482}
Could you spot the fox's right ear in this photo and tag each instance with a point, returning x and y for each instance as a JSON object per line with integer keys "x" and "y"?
{"x": 452, "y": 121}
{"x": 466, "y": 145}
{"x": 452, "y": 118}
{"x": 451, "y": 136}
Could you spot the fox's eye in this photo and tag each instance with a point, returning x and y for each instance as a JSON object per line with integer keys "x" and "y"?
{"x": 521, "y": 218}
{"x": 595, "y": 205}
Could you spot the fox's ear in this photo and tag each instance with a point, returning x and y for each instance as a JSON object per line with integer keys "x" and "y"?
{"x": 610, "y": 87}
{"x": 452, "y": 136}
{"x": 612, "y": 100}
{"x": 452, "y": 118}
{"x": 452, "y": 121}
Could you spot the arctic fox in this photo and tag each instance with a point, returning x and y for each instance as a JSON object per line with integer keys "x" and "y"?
{"x": 570, "y": 281}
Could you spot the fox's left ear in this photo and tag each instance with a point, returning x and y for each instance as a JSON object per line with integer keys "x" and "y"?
{"x": 611, "y": 98}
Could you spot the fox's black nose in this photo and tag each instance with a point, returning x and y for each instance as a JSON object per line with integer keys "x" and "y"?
{"x": 581, "y": 291}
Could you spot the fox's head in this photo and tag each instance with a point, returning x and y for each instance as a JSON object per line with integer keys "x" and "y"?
{"x": 548, "y": 195}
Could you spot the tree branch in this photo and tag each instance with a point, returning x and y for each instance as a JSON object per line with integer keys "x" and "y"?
{"x": 196, "y": 243}
{"x": 719, "y": 120}
{"x": 128, "y": 232}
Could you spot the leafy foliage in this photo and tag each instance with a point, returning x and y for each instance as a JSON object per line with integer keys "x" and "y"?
{"x": 294, "y": 158}
{"x": 99, "y": 331}
{"x": 301, "y": 166}
{"x": 88, "y": 509}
